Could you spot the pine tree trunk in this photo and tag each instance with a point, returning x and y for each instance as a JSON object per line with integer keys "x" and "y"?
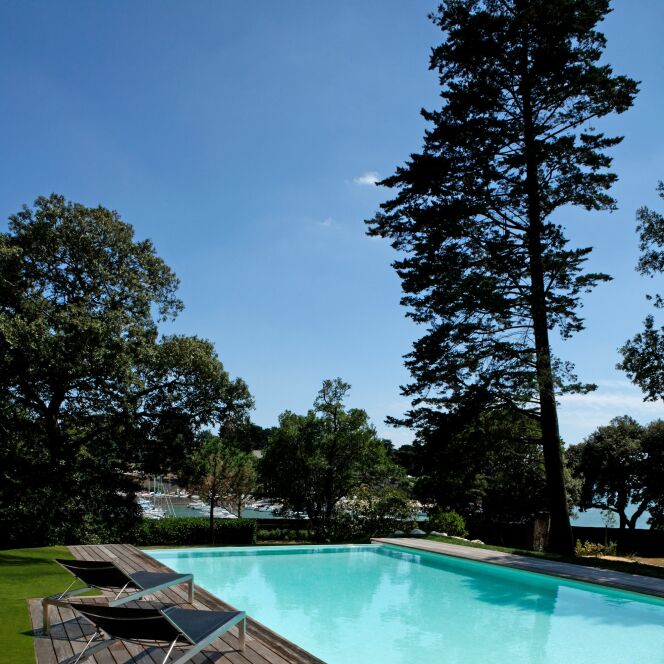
{"x": 561, "y": 539}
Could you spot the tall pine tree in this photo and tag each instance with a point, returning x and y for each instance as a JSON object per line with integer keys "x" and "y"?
{"x": 643, "y": 355}
{"x": 483, "y": 265}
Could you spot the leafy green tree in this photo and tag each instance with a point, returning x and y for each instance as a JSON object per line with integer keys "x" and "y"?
{"x": 482, "y": 264}
{"x": 183, "y": 389}
{"x": 87, "y": 387}
{"x": 412, "y": 458}
{"x": 205, "y": 472}
{"x": 652, "y": 443}
{"x": 249, "y": 437}
{"x": 382, "y": 502}
{"x": 212, "y": 470}
{"x": 490, "y": 468}
{"x": 643, "y": 355}
{"x": 242, "y": 480}
{"x": 621, "y": 465}
{"x": 312, "y": 461}
{"x": 382, "y": 511}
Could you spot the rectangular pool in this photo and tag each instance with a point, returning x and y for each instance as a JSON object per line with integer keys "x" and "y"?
{"x": 379, "y": 603}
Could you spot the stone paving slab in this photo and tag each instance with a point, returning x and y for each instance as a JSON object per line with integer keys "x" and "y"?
{"x": 637, "y": 583}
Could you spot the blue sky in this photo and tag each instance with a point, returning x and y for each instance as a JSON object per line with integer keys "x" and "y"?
{"x": 244, "y": 139}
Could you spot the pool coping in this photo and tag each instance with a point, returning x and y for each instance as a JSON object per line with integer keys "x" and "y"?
{"x": 636, "y": 583}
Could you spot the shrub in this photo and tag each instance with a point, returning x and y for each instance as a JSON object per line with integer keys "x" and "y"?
{"x": 282, "y": 535}
{"x": 193, "y": 530}
{"x": 595, "y": 549}
{"x": 378, "y": 513}
{"x": 451, "y": 523}
{"x": 343, "y": 527}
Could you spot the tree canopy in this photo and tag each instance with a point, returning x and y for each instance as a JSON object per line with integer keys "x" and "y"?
{"x": 482, "y": 264}
{"x": 490, "y": 469}
{"x": 621, "y": 467}
{"x": 312, "y": 461}
{"x": 643, "y": 355}
{"x": 220, "y": 472}
{"x": 87, "y": 386}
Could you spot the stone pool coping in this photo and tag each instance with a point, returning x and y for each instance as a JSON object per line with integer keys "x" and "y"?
{"x": 635, "y": 583}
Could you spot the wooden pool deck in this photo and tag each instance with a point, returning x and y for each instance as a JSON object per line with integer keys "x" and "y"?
{"x": 636, "y": 583}
{"x": 69, "y": 633}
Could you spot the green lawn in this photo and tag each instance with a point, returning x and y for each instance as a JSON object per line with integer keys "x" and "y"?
{"x": 26, "y": 573}
{"x": 615, "y": 565}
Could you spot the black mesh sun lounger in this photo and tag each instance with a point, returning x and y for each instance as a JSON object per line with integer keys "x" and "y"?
{"x": 104, "y": 575}
{"x": 170, "y": 628}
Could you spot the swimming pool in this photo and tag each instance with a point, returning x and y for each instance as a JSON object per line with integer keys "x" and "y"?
{"x": 378, "y": 603}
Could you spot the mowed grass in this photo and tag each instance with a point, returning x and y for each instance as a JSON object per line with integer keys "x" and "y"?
{"x": 603, "y": 563}
{"x": 26, "y": 573}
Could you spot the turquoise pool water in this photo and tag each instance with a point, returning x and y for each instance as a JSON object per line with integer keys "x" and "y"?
{"x": 349, "y": 604}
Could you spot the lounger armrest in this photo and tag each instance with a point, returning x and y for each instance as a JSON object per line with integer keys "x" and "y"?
{"x": 60, "y": 597}
{"x": 167, "y": 581}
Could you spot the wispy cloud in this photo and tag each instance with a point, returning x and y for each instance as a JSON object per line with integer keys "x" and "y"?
{"x": 327, "y": 222}
{"x": 581, "y": 414}
{"x": 369, "y": 179}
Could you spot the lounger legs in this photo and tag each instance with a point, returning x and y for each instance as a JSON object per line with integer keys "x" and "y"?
{"x": 45, "y": 623}
{"x": 240, "y": 620}
{"x": 58, "y": 600}
{"x": 242, "y": 629}
{"x": 62, "y": 599}
{"x": 88, "y": 651}
{"x": 170, "y": 650}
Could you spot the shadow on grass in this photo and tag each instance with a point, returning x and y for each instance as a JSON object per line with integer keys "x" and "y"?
{"x": 7, "y": 559}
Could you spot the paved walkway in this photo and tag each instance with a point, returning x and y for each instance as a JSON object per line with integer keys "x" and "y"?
{"x": 634, "y": 582}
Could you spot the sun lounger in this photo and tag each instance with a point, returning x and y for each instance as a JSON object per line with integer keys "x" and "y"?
{"x": 170, "y": 628}
{"x": 104, "y": 575}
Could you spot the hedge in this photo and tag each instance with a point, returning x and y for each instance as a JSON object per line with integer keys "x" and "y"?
{"x": 193, "y": 530}
{"x": 282, "y": 535}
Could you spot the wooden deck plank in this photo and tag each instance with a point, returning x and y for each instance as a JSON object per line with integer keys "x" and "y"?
{"x": 133, "y": 559}
{"x": 120, "y": 652}
{"x": 262, "y": 645}
{"x": 178, "y": 594}
{"x": 78, "y": 632}
{"x": 275, "y": 648}
{"x": 155, "y": 654}
{"x": 44, "y": 651}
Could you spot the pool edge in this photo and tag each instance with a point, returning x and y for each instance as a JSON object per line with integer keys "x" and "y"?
{"x": 594, "y": 576}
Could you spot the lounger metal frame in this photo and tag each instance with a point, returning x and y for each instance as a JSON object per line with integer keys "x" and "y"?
{"x": 62, "y": 599}
{"x": 193, "y": 648}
